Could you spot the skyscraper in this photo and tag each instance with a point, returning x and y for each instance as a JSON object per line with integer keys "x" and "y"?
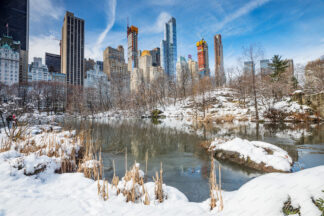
{"x": 114, "y": 62}
{"x": 290, "y": 69}
{"x": 203, "y": 61}
{"x": 72, "y": 49}
{"x": 169, "y": 48}
{"x": 14, "y": 20}
{"x": 264, "y": 67}
{"x": 249, "y": 68}
{"x": 193, "y": 68}
{"x": 220, "y": 77}
{"x": 183, "y": 72}
{"x": 132, "y": 47}
{"x": 156, "y": 56}
{"x": 53, "y": 62}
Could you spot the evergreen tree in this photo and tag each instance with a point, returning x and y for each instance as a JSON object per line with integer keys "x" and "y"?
{"x": 278, "y": 67}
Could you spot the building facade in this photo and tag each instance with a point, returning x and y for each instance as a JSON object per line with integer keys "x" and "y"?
{"x": 9, "y": 60}
{"x": 100, "y": 64}
{"x": 183, "y": 72}
{"x": 220, "y": 78}
{"x": 132, "y": 47}
{"x": 193, "y": 68}
{"x": 38, "y": 71}
{"x": 114, "y": 62}
{"x": 53, "y": 62}
{"x": 264, "y": 67}
{"x": 58, "y": 77}
{"x": 14, "y": 21}
{"x": 156, "y": 56}
{"x": 145, "y": 63}
{"x": 169, "y": 48}
{"x": 249, "y": 68}
{"x": 290, "y": 70}
{"x": 203, "y": 60}
{"x": 72, "y": 49}
{"x": 145, "y": 74}
{"x": 96, "y": 78}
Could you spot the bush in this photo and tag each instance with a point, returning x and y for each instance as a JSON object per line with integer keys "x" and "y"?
{"x": 156, "y": 113}
{"x": 275, "y": 115}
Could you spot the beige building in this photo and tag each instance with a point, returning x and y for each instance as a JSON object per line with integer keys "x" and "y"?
{"x": 220, "y": 77}
{"x": 114, "y": 61}
{"x": 290, "y": 69}
{"x": 72, "y": 49}
{"x": 146, "y": 73}
{"x": 145, "y": 63}
{"x": 193, "y": 68}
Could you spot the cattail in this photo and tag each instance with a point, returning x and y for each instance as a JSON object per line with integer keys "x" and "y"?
{"x": 126, "y": 160}
{"x": 212, "y": 183}
{"x": 146, "y": 159}
{"x": 221, "y": 206}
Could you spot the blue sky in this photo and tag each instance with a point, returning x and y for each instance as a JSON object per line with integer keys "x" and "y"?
{"x": 291, "y": 28}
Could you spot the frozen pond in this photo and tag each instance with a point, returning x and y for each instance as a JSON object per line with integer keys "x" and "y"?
{"x": 185, "y": 163}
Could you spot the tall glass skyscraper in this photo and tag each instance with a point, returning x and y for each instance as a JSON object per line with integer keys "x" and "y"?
{"x": 169, "y": 48}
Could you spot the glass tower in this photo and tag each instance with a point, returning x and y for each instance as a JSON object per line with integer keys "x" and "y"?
{"x": 169, "y": 48}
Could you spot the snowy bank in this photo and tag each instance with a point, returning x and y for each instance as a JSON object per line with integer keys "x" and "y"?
{"x": 29, "y": 185}
{"x": 254, "y": 154}
{"x": 73, "y": 194}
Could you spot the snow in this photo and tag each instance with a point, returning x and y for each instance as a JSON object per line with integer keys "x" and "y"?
{"x": 256, "y": 151}
{"x": 49, "y": 193}
{"x": 73, "y": 194}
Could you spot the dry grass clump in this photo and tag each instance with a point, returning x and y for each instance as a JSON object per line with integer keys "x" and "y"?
{"x": 132, "y": 186}
{"x": 103, "y": 189}
{"x": 115, "y": 179}
{"x": 91, "y": 164}
{"x": 243, "y": 118}
{"x": 205, "y": 144}
{"x": 158, "y": 180}
{"x": 215, "y": 189}
{"x": 226, "y": 118}
{"x": 5, "y": 145}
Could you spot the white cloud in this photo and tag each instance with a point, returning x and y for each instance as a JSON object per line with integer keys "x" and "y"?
{"x": 247, "y": 8}
{"x": 163, "y": 2}
{"x": 95, "y": 50}
{"x": 39, "y": 9}
{"x": 158, "y": 26}
{"x": 43, "y": 43}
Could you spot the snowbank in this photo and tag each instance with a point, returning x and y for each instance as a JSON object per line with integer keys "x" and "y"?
{"x": 73, "y": 194}
{"x": 30, "y": 186}
{"x": 270, "y": 156}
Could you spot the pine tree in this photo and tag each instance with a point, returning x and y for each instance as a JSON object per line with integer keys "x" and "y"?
{"x": 278, "y": 67}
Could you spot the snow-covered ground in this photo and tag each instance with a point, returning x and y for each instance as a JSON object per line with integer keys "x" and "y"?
{"x": 256, "y": 151}
{"x": 224, "y": 105}
{"x": 23, "y": 191}
{"x": 73, "y": 194}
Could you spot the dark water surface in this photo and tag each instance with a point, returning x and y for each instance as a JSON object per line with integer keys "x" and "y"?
{"x": 185, "y": 163}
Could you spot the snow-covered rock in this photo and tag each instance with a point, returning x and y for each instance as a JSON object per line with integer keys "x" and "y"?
{"x": 255, "y": 154}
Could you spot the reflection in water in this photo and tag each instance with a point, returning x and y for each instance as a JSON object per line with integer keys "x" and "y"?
{"x": 185, "y": 163}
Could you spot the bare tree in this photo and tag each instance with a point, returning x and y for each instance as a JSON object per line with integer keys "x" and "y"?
{"x": 314, "y": 75}
{"x": 252, "y": 54}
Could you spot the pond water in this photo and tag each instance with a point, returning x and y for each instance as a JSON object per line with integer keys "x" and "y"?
{"x": 185, "y": 163}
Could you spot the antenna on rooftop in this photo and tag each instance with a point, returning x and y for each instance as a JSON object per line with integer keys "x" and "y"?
{"x": 7, "y": 26}
{"x": 127, "y": 22}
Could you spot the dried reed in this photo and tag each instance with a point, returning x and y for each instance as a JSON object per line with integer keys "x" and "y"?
{"x": 215, "y": 189}
{"x": 159, "y": 195}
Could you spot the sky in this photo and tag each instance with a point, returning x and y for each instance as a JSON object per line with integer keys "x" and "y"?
{"x": 293, "y": 29}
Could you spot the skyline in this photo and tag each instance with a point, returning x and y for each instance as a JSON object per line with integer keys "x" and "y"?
{"x": 292, "y": 30}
